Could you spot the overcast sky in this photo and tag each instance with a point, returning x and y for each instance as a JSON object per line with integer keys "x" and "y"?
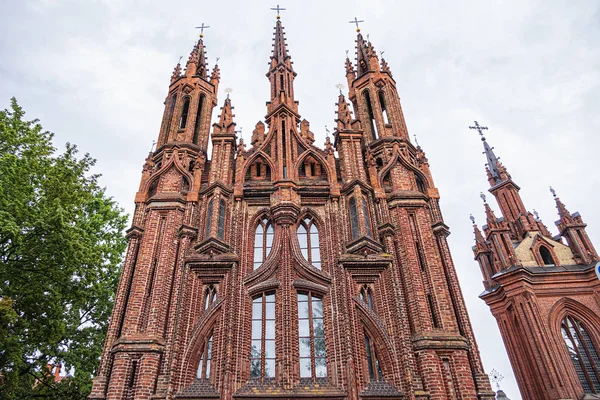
{"x": 96, "y": 73}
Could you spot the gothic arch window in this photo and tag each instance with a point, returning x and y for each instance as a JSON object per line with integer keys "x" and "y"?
{"x": 372, "y": 123}
{"x": 170, "y": 114}
{"x": 209, "y": 214}
{"x": 383, "y": 106}
{"x": 311, "y": 336}
{"x": 184, "y": 113}
{"x": 546, "y": 256}
{"x": 198, "y": 119}
{"x": 221, "y": 220}
{"x": 367, "y": 217}
{"x": 583, "y": 354}
{"x": 354, "y": 219}
{"x": 263, "y": 242}
{"x": 373, "y": 365}
{"x": 308, "y": 238}
{"x": 203, "y": 371}
{"x": 366, "y": 295}
{"x": 210, "y": 295}
{"x": 262, "y": 354}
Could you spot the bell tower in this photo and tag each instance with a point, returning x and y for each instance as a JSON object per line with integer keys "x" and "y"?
{"x": 542, "y": 290}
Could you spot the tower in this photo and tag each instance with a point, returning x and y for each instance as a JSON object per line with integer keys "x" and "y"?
{"x": 281, "y": 270}
{"x": 542, "y": 290}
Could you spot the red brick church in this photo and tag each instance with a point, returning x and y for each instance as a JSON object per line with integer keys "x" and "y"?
{"x": 279, "y": 270}
{"x": 543, "y": 291}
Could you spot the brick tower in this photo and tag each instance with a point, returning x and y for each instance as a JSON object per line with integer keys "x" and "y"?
{"x": 543, "y": 291}
{"x": 283, "y": 271}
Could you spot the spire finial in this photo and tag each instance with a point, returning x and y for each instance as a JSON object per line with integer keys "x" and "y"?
{"x": 228, "y": 91}
{"x": 537, "y": 216}
{"x": 278, "y": 9}
{"x": 202, "y": 28}
{"x": 179, "y": 62}
{"x": 356, "y": 21}
{"x": 217, "y": 60}
{"x": 340, "y": 87}
{"x": 152, "y": 146}
{"x": 496, "y": 377}
{"x": 472, "y": 219}
{"x": 553, "y": 191}
{"x": 483, "y": 197}
{"x": 416, "y": 141}
{"x": 479, "y": 129}
{"x": 326, "y": 131}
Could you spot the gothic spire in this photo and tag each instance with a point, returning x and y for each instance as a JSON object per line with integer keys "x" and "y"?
{"x": 281, "y": 73}
{"x": 280, "y": 54}
{"x": 225, "y": 124}
{"x": 563, "y": 213}
{"x": 196, "y": 64}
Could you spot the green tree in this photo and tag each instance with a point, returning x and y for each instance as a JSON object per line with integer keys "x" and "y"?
{"x": 61, "y": 245}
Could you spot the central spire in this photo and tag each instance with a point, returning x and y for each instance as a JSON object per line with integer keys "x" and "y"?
{"x": 281, "y": 73}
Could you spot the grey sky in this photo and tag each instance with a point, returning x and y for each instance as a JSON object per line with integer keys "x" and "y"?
{"x": 97, "y": 72}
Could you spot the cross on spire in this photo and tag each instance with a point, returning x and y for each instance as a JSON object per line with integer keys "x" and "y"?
{"x": 479, "y": 129}
{"x": 278, "y": 9}
{"x": 202, "y": 28}
{"x": 228, "y": 91}
{"x": 340, "y": 87}
{"x": 356, "y": 21}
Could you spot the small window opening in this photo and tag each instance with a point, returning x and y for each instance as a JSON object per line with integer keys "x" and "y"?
{"x": 198, "y": 119}
{"x": 420, "y": 184}
{"x": 221, "y": 220}
{"x": 210, "y": 296}
{"x": 131, "y": 382}
{"x": 546, "y": 256}
{"x": 184, "y": 113}
{"x": 375, "y": 373}
{"x": 209, "y": 211}
{"x": 373, "y": 125}
{"x": 383, "y": 107}
{"x": 367, "y": 296}
{"x": 354, "y": 219}
{"x": 434, "y": 316}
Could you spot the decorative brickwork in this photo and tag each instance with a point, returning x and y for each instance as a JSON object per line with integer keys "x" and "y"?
{"x": 543, "y": 292}
{"x": 283, "y": 271}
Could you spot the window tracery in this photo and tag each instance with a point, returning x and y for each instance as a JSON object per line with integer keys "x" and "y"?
{"x": 308, "y": 238}
{"x": 583, "y": 353}
{"x": 262, "y": 354}
{"x": 311, "y": 336}
{"x": 263, "y": 242}
{"x": 204, "y": 370}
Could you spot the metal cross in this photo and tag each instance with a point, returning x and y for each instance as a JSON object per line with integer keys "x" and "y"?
{"x": 356, "y": 21}
{"x": 229, "y": 90}
{"x": 202, "y": 27}
{"x": 340, "y": 87}
{"x": 479, "y": 128}
{"x": 496, "y": 377}
{"x": 278, "y": 9}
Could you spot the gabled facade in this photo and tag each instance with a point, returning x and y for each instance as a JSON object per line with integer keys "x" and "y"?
{"x": 542, "y": 290}
{"x": 282, "y": 270}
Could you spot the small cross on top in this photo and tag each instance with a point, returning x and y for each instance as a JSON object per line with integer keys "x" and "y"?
{"x": 228, "y": 91}
{"x": 202, "y": 28}
{"x": 278, "y": 9}
{"x": 356, "y": 21}
{"x": 496, "y": 377}
{"x": 479, "y": 129}
{"x": 340, "y": 87}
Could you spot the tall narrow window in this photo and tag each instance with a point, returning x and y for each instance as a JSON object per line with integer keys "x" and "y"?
{"x": 262, "y": 355}
{"x": 383, "y": 107}
{"x": 372, "y": 361}
{"x": 583, "y": 354}
{"x": 367, "y": 218}
{"x": 209, "y": 212}
{"x": 170, "y": 116}
{"x": 184, "y": 113}
{"x": 546, "y": 256}
{"x": 367, "y": 296}
{"x": 198, "y": 119}
{"x": 210, "y": 296}
{"x": 354, "y": 219}
{"x": 311, "y": 336}
{"x": 263, "y": 242}
{"x": 205, "y": 359}
{"x": 372, "y": 123}
{"x": 281, "y": 82}
{"x": 420, "y": 184}
{"x": 308, "y": 237}
{"x": 221, "y": 221}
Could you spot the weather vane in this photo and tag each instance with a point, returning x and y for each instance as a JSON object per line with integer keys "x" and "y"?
{"x": 340, "y": 87}
{"x": 482, "y": 197}
{"x": 202, "y": 28}
{"x": 326, "y": 131}
{"x": 472, "y": 218}
{"x": 356, "y": 21}
{"x": 228, "y": 91}
{"x": 278, "y": 9}
{"x": 479, "y": 129}
{"x": 496, "y": 377}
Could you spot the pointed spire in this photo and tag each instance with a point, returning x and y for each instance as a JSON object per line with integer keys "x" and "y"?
{"x": 196, "y": 64}
{"x": 489, "y": 213}
{"x": 225, "y": 124}
{"x": 362, "y": 55}
{"x": 280, "y": 54}
{"x": 176, "y": 71}
{"x": 563, "y": 213}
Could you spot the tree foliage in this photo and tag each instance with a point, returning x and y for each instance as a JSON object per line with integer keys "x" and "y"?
{"x": 61, "y": 245}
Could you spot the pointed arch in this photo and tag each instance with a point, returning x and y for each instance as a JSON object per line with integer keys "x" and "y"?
{"x": 319, "y": 158}
{"x": 185, "y": 110}
{"x": 307, "y": 232}
{"x": 172, "y": 161}
{"x": 397, "y": 158}
{"x": 252, "y": 159}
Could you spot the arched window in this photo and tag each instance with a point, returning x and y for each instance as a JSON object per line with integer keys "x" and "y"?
{"x": 221, "y": 221}
{"x": 262, "y": 355}
{"x": 205, "y": 359}
{"x": 210, "y": 296}
{"x": 383, "y": 107}
{"x": 583, "y": 354}
{"x": 420, "y": 184}
{"x": 372, "y": 360}
{"x": 184, "y": 113}
{"x": 372, "y": 123}
{"x": 311, "y": 336}
{"x": 367, "y": 218}
{"x": 170, "y": 116}
{"x": 263, "y": 241}
{"x": 198, "y": 119}
{"x": 367, "y": 296}
{"x": 354, "y": 219}
{"x": 546, "y": 256}
{"x": 308, "y": 237}
{"x": 209, "y": 212}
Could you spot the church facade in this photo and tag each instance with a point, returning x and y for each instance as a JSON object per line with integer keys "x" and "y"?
{"x": 280, "y": 270}
{"x": 543, "y": 291}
